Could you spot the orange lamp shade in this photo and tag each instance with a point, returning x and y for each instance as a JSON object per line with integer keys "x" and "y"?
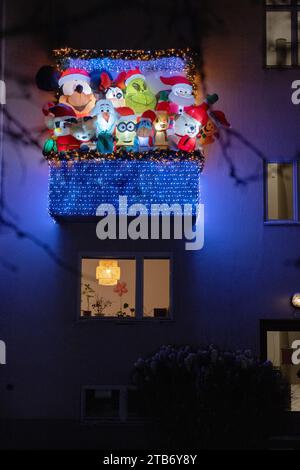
{"x": 108, "y": 272}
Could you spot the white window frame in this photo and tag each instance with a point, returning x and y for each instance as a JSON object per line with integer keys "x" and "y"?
{"x": 139, "y": 285}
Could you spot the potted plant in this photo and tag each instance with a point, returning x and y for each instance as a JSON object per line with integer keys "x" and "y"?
{"x": 127, "y": 311}
{"x": 88, "y": 292}
{"x": 100, "y": 305}
{"x": 121, "y": 289}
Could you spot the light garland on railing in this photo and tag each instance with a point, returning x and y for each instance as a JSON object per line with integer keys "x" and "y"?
{"x": 176, "y": 60}
{"x": 77, "y": 188}
{"x": 158, "y": 156}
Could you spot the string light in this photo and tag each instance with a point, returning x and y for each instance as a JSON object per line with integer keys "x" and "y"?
{"x": 156, "y": 155}
{"x": 176, "y": 60}
{"x": 77, "y": 188}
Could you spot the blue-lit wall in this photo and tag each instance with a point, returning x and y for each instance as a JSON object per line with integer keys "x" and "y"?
{"x": 246, "y": 271}
{"x": 77, "y": 189}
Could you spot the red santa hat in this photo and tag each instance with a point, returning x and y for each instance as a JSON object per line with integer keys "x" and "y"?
{"x": 133, "y": 74}
{"x": 199, "y": 113}
{"x": 177, "y": 80}
{"x": 149, "y": 115}
{"x": 62, "y": 112}
{"x": 163, "y": 106}
{"x": 74, "y": 74}
{"x": 125, "y": 112}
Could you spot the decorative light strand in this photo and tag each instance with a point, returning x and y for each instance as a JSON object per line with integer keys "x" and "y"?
{"x": 77, "y": 188}
{"x": 157, "y": 155}
{"x": 113, "y": 60}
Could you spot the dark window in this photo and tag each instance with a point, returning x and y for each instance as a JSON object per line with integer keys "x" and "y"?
{"x": 282, "y": 33}
{"x": 111, "y": 403}
{"x": 101, "y": 403}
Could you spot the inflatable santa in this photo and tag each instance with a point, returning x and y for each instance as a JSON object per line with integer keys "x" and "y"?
{"x": 181, "y": 96}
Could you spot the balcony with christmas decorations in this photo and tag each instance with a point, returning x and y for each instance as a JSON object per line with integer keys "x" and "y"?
{"x": 125, "y": 123}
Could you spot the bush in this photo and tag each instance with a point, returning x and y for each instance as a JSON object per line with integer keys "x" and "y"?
{"x": 211, "y": 399}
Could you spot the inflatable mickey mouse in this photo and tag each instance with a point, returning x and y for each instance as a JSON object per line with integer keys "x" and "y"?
{"x": 73, "y": 86}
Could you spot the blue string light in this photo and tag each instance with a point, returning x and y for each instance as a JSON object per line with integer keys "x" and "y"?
{"x": 172, "y": 64}
{"x": 77, "y": 188}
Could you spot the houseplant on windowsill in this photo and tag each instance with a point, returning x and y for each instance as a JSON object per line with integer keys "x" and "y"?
{"x": 89, "y": 294}
{"x": 121, "y": 289}
{"x": 126, "y": 311}
{"x": 100, "y": 305}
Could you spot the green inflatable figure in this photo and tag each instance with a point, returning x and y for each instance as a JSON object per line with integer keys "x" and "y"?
{"x": 137, "y": 95}
{"x": 49, "y": 146}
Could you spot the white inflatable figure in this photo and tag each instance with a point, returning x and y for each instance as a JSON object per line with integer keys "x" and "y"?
{"x": 106, "y": 118}
{"x": 189, "y": 124}
{"x": 181, "y": 96}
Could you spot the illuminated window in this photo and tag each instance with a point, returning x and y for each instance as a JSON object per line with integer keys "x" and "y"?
{"x": 279, "y": 344}
{"x": 125, "y": 288}
{"x": 280, "y": 192}
{"x": 156, "y": 288}
{"x": 282, "y": 33}
{"x": 278, "y": 347}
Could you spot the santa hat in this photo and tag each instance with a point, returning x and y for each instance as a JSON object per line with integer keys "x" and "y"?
{"x": 199, "y": 113}
{"x": 132, "y": 75}
{"x": 177, "y": 80}
{"x": 74, "y": 74}
{"x": 163, "y": 106}
{"x": 149, "y": 115}
{"x": 62, "y": 112}
{"x": 125, "y": 112}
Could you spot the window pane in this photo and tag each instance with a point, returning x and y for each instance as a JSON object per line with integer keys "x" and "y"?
{"x": 280, "y": 353}
{"x": 279, "y": 37}
{"x": 278, "y": 2}
{"x": 299, "y": 36}
{"x": 98, "y": 298}
{"x": 156, "y": 288}
{"x": 102, "y": 403}
{"x": 280, "y": 191}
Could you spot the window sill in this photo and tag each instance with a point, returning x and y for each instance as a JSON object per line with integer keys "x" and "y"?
{"x": 281, "y": 222}
{"x": 280, "y": 68}
{"x": 116, "y": 421}
{"x": 126, "y": 321}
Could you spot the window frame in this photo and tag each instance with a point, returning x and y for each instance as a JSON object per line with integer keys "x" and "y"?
{"x": 123, "y": 412}
{"x": 292, "y": 324}
{"x": 294, "y": 9}
{"x": 296, "y": 193}
{"x": 139, "y": 286}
